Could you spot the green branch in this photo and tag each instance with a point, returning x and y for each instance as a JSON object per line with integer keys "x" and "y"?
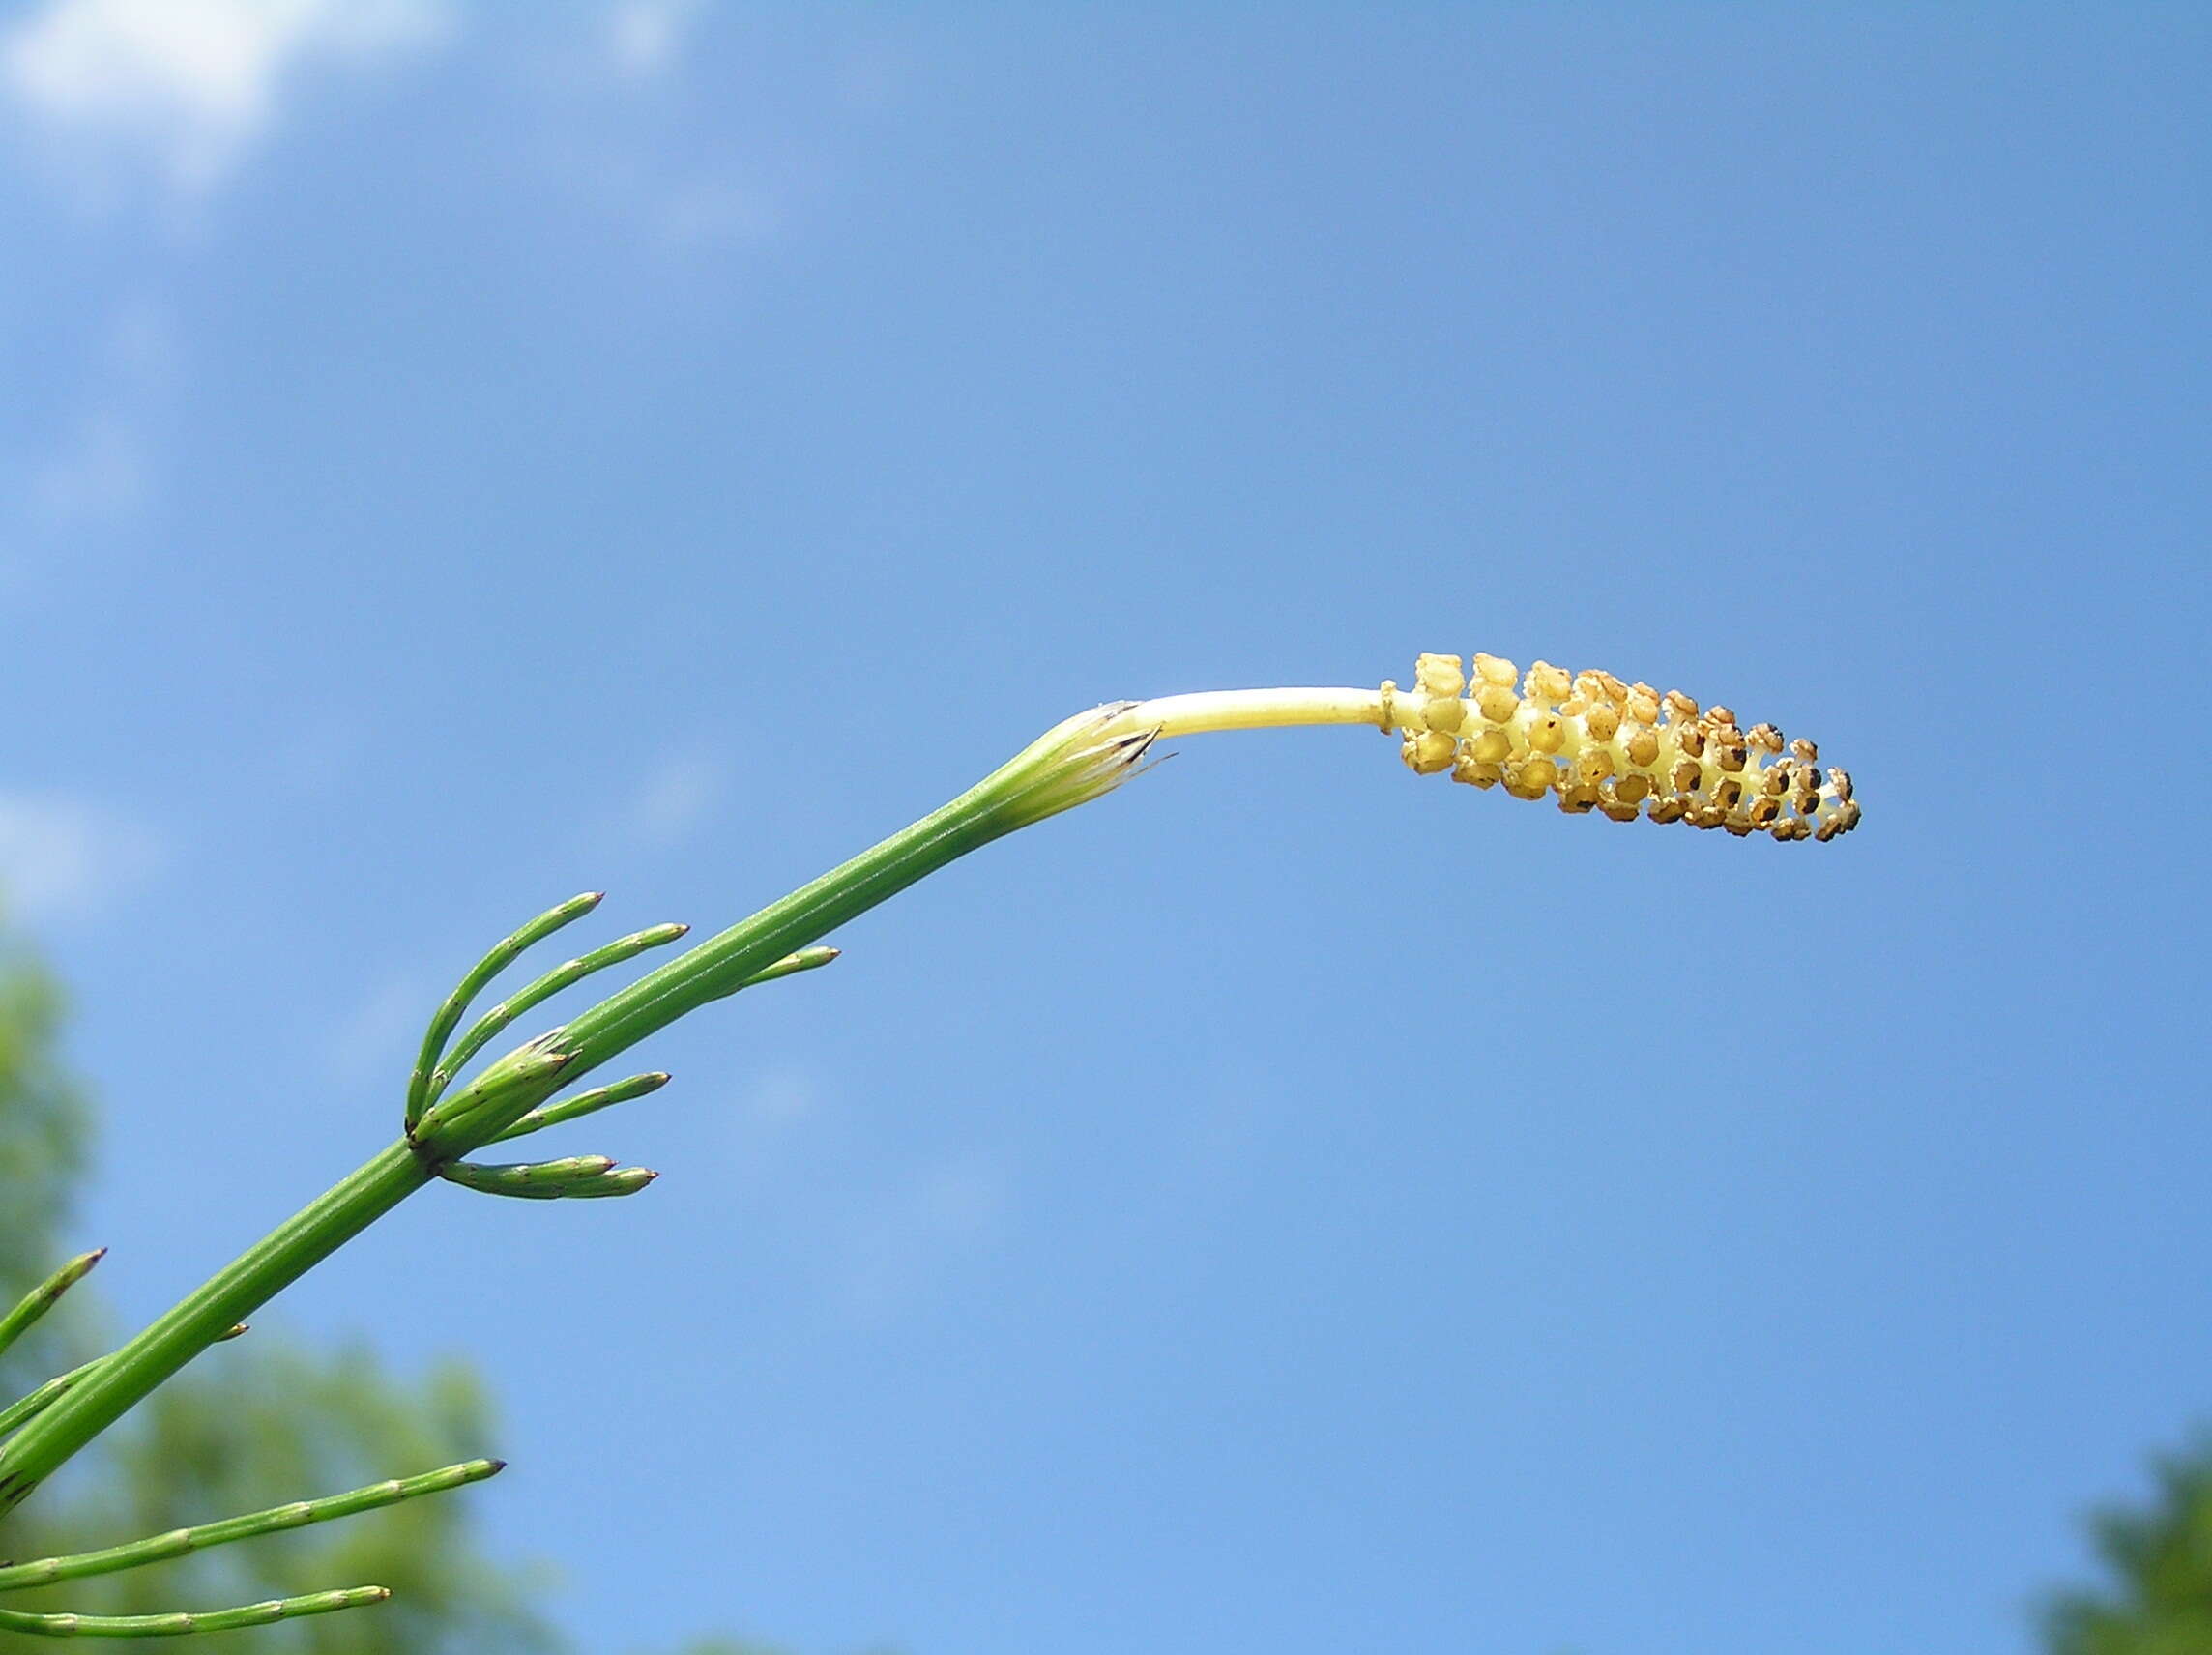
{"x": 177, "y": 1542}
{"x": 203, "y": 1621}
{"x": 35, "y": 1304}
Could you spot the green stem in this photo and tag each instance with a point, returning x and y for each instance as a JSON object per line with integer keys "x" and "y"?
{"x": 204, "y": 1316}
{"x": 727, "y": 960}
{"x": 1075, "y": 761}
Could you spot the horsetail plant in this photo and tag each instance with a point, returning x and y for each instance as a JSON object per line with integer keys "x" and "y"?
{"x": 1587, "y": 740}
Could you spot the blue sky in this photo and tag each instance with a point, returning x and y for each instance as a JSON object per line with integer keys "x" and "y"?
{"x": 452, "y": 458}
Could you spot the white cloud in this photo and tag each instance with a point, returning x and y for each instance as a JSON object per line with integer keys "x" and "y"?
{"x": 883, "y": 1231}
{"x": 96, "y": 469}
{"x": 708, "y": 211}
{"x": 644, "y": 35}
{"x": 381, "y": 1033}
{"x": 781, "y": 1099}
{"x": 679, "y": 796}
{"x": 909, "y": 1235}
{"x": 96, "y": 474}
{"x": 62, "y": 857}
{"x": 188, "y": 86}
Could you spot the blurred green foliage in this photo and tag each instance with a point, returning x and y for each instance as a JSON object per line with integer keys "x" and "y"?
{"x": 2157, "y": 1597}
{"x": 44, "y": 1124}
